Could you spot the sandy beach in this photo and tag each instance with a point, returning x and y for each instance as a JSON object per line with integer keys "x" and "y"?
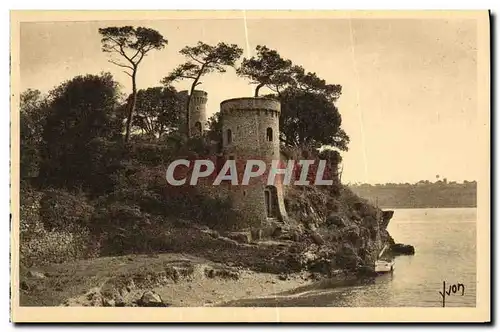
{"x": 180, "y": 280}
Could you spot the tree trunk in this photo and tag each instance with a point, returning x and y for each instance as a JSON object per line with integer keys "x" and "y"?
{"x": 131, "y": 108}
{"x": 190, "y": 98}
{"x": 258, "y": 88}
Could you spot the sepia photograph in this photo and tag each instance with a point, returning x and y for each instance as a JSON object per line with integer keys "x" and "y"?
{"x": 295, "y": 166}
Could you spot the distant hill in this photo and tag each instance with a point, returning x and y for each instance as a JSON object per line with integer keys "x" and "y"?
{"x": 424, "y": 194}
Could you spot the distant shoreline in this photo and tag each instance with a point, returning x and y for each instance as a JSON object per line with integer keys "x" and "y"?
{"x": 421, "y": 195}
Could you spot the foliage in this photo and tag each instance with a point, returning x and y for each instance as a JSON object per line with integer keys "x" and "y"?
{"x": 57, "y": 247}
{"x": 311, "y": 83}
{"x": 131, "y": 44}
{"x": 29, "y": 212}
{"x": 214, "y": 132}
{"x": 33, "y": 113}
{"x": 203, "y": 59}
{"x": 98, "y": 188}
{"x": 81, "y": 110}
{"x": 138, "y": 215}
{"x": 63, "y": 240}
{"x": 62, "y": 210}
{"x": 310, "y": 120}
{"x": 267, "y": 68}
{"x": 158, "y": 111}
{"x": 309, "y": 116}
{"x": 126, "y": 229}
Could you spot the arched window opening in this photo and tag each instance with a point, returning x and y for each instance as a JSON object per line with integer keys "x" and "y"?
{"x": 269, "y": 134}
{"x": 229, "y": 136}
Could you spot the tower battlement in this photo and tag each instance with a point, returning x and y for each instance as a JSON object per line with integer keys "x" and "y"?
{"x": 251, "y": 104}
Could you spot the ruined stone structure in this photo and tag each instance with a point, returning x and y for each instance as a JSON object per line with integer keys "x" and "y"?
{"x": 198, "y": 113}
{"x": 251, "y": 131}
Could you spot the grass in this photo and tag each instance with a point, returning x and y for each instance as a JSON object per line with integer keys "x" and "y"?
{"x": 72, "y": 279}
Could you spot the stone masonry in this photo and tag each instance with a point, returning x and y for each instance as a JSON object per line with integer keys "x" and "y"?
{"x": 251, "y": 131}
{"x": 198, "y": 113}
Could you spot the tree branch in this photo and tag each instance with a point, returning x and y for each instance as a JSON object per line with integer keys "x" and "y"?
{"x": 121, "y": 51}
{"x": 121, "y": 65}
{"x": 136, "y": 53}
{"x": 192, "y": 57}
{"x": 143, "y": 53}
{"x": 186, "y": 76}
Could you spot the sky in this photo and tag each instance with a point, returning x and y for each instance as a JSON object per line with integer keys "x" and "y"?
{"x": 409, "y": 86}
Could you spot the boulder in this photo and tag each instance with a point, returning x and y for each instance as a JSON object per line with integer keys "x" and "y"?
{"x": 386, "y": 217}
{"x": 150, "y": 299}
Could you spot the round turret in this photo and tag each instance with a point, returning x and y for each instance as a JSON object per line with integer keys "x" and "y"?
{"x": 198, "y": 112}
{"x": 251, "y": 128}
{"x": 250, "y": 131}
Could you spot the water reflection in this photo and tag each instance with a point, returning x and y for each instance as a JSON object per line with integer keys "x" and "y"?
{"x": 445, "y": 242}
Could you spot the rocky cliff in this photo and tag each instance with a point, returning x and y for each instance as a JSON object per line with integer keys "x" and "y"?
{"x": 342, "y": 231}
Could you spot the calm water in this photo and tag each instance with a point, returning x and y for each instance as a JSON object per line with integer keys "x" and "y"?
{"x": 445, "y": 246}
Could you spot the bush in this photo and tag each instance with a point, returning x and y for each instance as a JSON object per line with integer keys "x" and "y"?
{"x": 29, "y": 212}
{"x": 57, "y": 247}
{"x": 124, "y": 228}
{"x": 63, "y": 239}
{"x": 64, "y": 211}
{"x": 217, "y": 213}
{"x": 152, "y": 154}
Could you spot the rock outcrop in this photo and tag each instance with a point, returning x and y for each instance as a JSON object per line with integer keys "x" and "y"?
{"x": 151, "y": 299}
{"x": 343, "y": 231}
{"x": 402, "y": 249}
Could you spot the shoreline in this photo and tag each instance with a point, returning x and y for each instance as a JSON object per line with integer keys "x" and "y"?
{"x": 180, "y": 280}
{"x": 174, "y": 279}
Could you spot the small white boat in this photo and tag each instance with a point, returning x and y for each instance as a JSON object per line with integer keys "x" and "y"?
{"x": 384, "y": 265}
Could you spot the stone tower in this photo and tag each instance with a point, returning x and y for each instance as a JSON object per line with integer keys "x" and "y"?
{"x": 198, "y": 113}
{"x": 251, "y": 131}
